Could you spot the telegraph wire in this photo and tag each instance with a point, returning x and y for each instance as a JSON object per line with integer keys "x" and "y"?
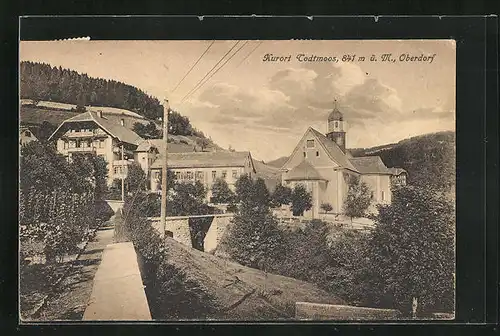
{"x": 192, "y": 67}
{"x": 251, "y": 52}
{"x": 217, "y": 70}
{"x": 208, "y": 73}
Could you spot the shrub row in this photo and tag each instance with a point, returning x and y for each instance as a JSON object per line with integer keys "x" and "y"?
{"x": 58, "y": 219}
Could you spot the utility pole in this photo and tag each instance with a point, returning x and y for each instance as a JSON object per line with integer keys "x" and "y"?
{"x": 163, "y": 214}
{"x": 122, "y": 174}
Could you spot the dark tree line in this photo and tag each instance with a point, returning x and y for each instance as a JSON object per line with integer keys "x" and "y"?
{"x": 429, "y": 159}
{"x": 43, "y": 82}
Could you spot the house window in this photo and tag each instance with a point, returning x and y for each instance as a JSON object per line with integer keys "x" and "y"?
{"x": 310, "y": 144}
{"x": 189, "y": 175}
{"x": 235, "y": 174}
{"x": 371, "y": 195}
{"x": 317, "y": 153}
{"x": 214, "y": 174}
{"x": 27, "y": 133}
{"x": 199, "y": 175}
{"x": 65, "y": 144}
{"x": 383, "y": 196}
{"x": 177, "y": 175}
{"x": 101, "y": 143}
{"x": 224, "y": 174}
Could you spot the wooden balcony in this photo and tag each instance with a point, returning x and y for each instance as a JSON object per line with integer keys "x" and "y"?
{"x": 81, "y": 150}
{"x": 89, "y": 134}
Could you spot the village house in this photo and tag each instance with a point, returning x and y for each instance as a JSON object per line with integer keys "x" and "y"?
{"x": 399, "y": 176}
{"x": 205, "y": 167}
{"x": 91, "y": 132}
{"x": 323, "y": 165}
{"x": 26, "y": 136}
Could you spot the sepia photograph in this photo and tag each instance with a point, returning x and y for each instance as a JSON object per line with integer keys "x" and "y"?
{"x": 237, "y": 180}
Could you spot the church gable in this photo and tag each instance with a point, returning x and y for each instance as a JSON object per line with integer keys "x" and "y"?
{"x": 312, "y": 150}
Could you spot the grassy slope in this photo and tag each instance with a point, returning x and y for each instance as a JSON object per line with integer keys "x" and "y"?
{"x": 264, "y": 296}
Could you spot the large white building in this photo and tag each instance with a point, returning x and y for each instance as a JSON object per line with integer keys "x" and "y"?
{"x": 323, "y": 165}
{"x": 91, "y": 132}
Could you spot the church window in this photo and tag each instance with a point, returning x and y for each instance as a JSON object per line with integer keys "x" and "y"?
{"x": 317, "y": 153}
{"x": 304, "y": 154}
{"x": 383, "y": 196}
{"x": 336, "y": 124}
{"x": 310, "y": 143}
{"x": 214, "y": 174}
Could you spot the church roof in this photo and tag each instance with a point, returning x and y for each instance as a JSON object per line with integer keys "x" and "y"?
{"x": 303, "y": 171}
{"x": 334, "y": 151}
{"x": 335, "y": 115}
{"x": 370, "y": 165}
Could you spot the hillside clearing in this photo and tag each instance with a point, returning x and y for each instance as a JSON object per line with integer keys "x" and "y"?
{"x": 239, "y": 292}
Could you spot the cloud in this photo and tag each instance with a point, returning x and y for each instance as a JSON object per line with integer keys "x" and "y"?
{"x": 295, "y": 98}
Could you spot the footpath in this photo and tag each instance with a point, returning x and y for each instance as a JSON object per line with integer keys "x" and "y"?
{"x": 118, "y": 292}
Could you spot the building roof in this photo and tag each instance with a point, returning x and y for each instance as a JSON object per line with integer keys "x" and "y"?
{"x": 303, "y": 171}
{"x": 205, "y": 160}
{"x": 334, "y": 151}
{"x": 114, "y": 129}
{"x": 370, "y": 165}
{"x": 335, "y": 115}
{"x": 397, "y": 171}
{"x": 146, "y": 145}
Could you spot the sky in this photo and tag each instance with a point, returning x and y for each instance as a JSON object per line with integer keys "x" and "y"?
{"x": 264, "y": 106}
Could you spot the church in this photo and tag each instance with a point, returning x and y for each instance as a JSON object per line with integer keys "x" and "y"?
{"x": 323, "y": 165}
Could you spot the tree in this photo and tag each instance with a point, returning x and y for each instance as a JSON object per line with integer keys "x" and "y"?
{"x": 261, "y": 192}
{"x": 281, "y": 195}
{"x": 301, "y": 200}
{"x": 358, "y": 198}
{"x": 221, "y": 193}
{"x": 202, "y": 143}
{"x": 136, "y": 178}
{"x": 326, "y": 207}
{"x": 413, "y": 250}
{"x": 254, "y": 239}
{"x": 187, "y": 199}
{"x": 148, "y": 131}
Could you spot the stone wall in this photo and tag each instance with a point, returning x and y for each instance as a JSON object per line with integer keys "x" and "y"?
{"x": 318, "y": 311}
{"x": 179, "y": 226}
{"x": 216, "y": 231}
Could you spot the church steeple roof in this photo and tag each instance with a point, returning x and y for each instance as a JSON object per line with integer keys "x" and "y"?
{"x": 335, "y": 114}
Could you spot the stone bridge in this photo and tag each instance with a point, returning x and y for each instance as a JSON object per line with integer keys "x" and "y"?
{"x": 180, "y": 229}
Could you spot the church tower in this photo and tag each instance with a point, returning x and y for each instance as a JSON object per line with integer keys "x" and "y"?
{"x": 336, "y": 128}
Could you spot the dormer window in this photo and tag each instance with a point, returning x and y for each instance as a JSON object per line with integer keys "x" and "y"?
{"x": 310, "y": 144}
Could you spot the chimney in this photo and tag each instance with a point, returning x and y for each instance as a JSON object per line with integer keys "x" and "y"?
{"x": 122, "y": 122}
{"x": 99, "y": 113}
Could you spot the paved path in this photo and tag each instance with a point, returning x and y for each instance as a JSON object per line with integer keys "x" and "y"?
{"x": 118, "y": 292}
{"x": 74, "y": 291}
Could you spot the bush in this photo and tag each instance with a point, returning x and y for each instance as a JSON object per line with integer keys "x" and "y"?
{"x": 413, "y": 243}
{"x": 358, "y": 198}
{"x": 254, "y": 239}
{"x": 301, "y": 200}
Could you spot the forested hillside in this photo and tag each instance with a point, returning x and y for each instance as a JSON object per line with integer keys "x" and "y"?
{"x": 429, "y": 159}
{"x": 43, "y": 82}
